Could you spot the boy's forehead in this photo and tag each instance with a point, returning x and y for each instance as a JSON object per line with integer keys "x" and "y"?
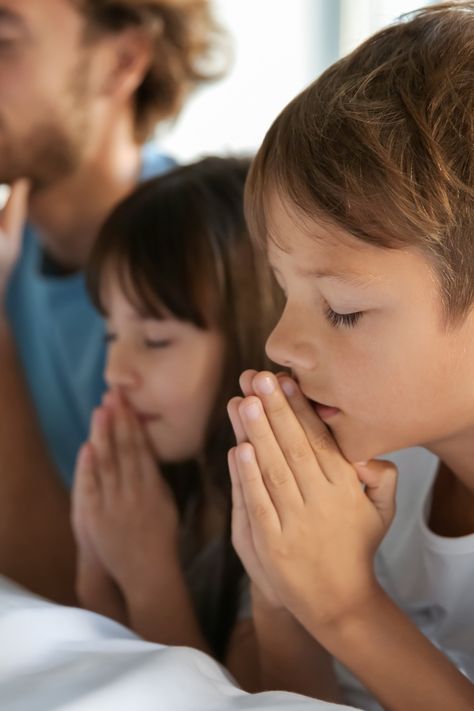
{"x": 311, "y": 242}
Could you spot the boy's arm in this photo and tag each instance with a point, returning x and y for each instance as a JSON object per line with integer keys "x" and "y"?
{"x": 36, "y": 544}
{"x": 393, "y": 659}
{"x": 290, "y": 658}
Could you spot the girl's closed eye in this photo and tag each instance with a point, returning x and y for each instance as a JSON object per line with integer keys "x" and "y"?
{"x": 158, "y": 342}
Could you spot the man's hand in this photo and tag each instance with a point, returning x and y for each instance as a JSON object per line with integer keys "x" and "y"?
{"x": 12, "y": 220}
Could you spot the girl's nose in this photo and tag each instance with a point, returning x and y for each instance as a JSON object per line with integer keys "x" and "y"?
{"x": 290, "y": 343}
{"x": 120, "y": 370}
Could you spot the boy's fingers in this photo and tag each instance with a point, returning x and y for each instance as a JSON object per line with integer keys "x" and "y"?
{"x": 246, "y": 380}
{"x": 277, "y": 475}
{"x": 236, "y": 422}
{"x": 262, "y": 515}
{"x": 330, "y": 459}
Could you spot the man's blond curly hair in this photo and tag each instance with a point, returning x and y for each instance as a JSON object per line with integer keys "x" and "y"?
{"x": 189, "y": 48}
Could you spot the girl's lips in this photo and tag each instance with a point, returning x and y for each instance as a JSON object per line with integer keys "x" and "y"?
{"x": 144, "y": 419}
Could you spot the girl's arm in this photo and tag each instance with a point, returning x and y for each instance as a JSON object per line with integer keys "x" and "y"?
{"x": 160, "y": 609}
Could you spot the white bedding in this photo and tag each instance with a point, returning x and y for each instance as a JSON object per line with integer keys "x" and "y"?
{"x": 54, "y": 657}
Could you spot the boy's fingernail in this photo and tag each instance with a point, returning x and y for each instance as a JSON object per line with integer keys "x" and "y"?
{"x": 253, "y": 411}
{"x": 245, "y": 453}
{"x": 265, "y": 385}
{"x": 288, "y": 387}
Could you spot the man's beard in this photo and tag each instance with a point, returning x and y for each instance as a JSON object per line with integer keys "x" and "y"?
{"x": 52, "y": 149}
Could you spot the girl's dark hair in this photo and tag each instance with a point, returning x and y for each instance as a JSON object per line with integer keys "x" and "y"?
{"x": 179, "y": 243}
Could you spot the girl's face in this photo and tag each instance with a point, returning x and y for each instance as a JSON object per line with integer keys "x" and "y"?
{"x": 168, "y": 371}
{"x": 362, "y": 332}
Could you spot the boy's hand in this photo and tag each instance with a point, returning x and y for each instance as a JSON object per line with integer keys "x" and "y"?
{"x": 130, "y": 513}
{"x": 12, "y": 219}
{"x": 313, "y": 527}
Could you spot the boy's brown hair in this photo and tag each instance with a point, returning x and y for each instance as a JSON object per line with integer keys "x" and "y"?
{"x": 382, "y": 145}
{"x": 189, "y": 48}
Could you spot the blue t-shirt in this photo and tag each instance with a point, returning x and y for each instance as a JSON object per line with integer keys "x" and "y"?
{"x": 60, "y": 339}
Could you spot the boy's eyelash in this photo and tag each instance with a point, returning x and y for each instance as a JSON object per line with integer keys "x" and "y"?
{"x": 345, "y": 320}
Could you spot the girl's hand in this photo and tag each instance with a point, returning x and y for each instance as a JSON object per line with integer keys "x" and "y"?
{"x": 131, "y": 516}
{"x": 314, "y": 529}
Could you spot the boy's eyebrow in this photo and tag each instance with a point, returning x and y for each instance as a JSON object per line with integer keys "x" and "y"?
{"x": 340, "y": 274}
{"x": 350, "y": 277}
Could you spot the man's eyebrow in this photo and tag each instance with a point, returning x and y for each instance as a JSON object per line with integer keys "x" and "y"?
{"x": 8, "y": 17}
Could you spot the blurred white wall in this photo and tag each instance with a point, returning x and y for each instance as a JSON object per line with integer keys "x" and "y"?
{"x": 279, "y": 47}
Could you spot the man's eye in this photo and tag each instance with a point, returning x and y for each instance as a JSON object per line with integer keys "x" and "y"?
{"x": 344, "y": 320}
{"x": 163, "y": 343}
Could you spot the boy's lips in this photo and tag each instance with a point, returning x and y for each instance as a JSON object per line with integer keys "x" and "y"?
{"x": 325, "y": 412}
{"x": 322, "y": 410}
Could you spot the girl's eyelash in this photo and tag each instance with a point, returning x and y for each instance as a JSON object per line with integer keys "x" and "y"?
{"x": 157, "y": 344}
{"x": 345, "y": 320}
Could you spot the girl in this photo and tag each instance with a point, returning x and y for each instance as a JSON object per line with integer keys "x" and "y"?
{"x": 363, "y": 195}
{"x": 187, "y": 302}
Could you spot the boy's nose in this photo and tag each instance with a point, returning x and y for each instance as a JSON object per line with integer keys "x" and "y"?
{"x": 289, "y": 346}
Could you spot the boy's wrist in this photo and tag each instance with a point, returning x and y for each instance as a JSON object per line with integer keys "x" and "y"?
{"x": 356, "y": 621}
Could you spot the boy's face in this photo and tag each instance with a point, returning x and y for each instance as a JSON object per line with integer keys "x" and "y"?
{"x": 49, "y": 84}
{"x": 396, "y": 375}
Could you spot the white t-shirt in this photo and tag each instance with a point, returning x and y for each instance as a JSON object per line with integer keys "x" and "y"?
{"x": 431, "y": 578}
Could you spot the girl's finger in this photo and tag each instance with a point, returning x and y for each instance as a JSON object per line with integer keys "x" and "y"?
{"x": 86, "y": 485}
{"x": 262, "y": 515}
{"x": 380, "y": 479}
{"x": 100, "y": 437}
{"x": 124, "y": 441}
{"x": 236, "y": 422}
{"x": 147, "y": 463}
{"x": 275, "y": 470}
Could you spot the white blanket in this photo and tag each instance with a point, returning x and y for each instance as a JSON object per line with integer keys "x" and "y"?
{"x": 54, "y": 657}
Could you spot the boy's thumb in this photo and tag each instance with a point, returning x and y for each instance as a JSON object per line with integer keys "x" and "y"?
{"x": 380, "y": 480}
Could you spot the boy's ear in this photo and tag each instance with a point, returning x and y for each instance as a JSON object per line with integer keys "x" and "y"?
{"x": 131, "y": 56}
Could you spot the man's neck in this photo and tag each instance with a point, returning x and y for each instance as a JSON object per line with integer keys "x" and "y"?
{"x": 68, "y": 215}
